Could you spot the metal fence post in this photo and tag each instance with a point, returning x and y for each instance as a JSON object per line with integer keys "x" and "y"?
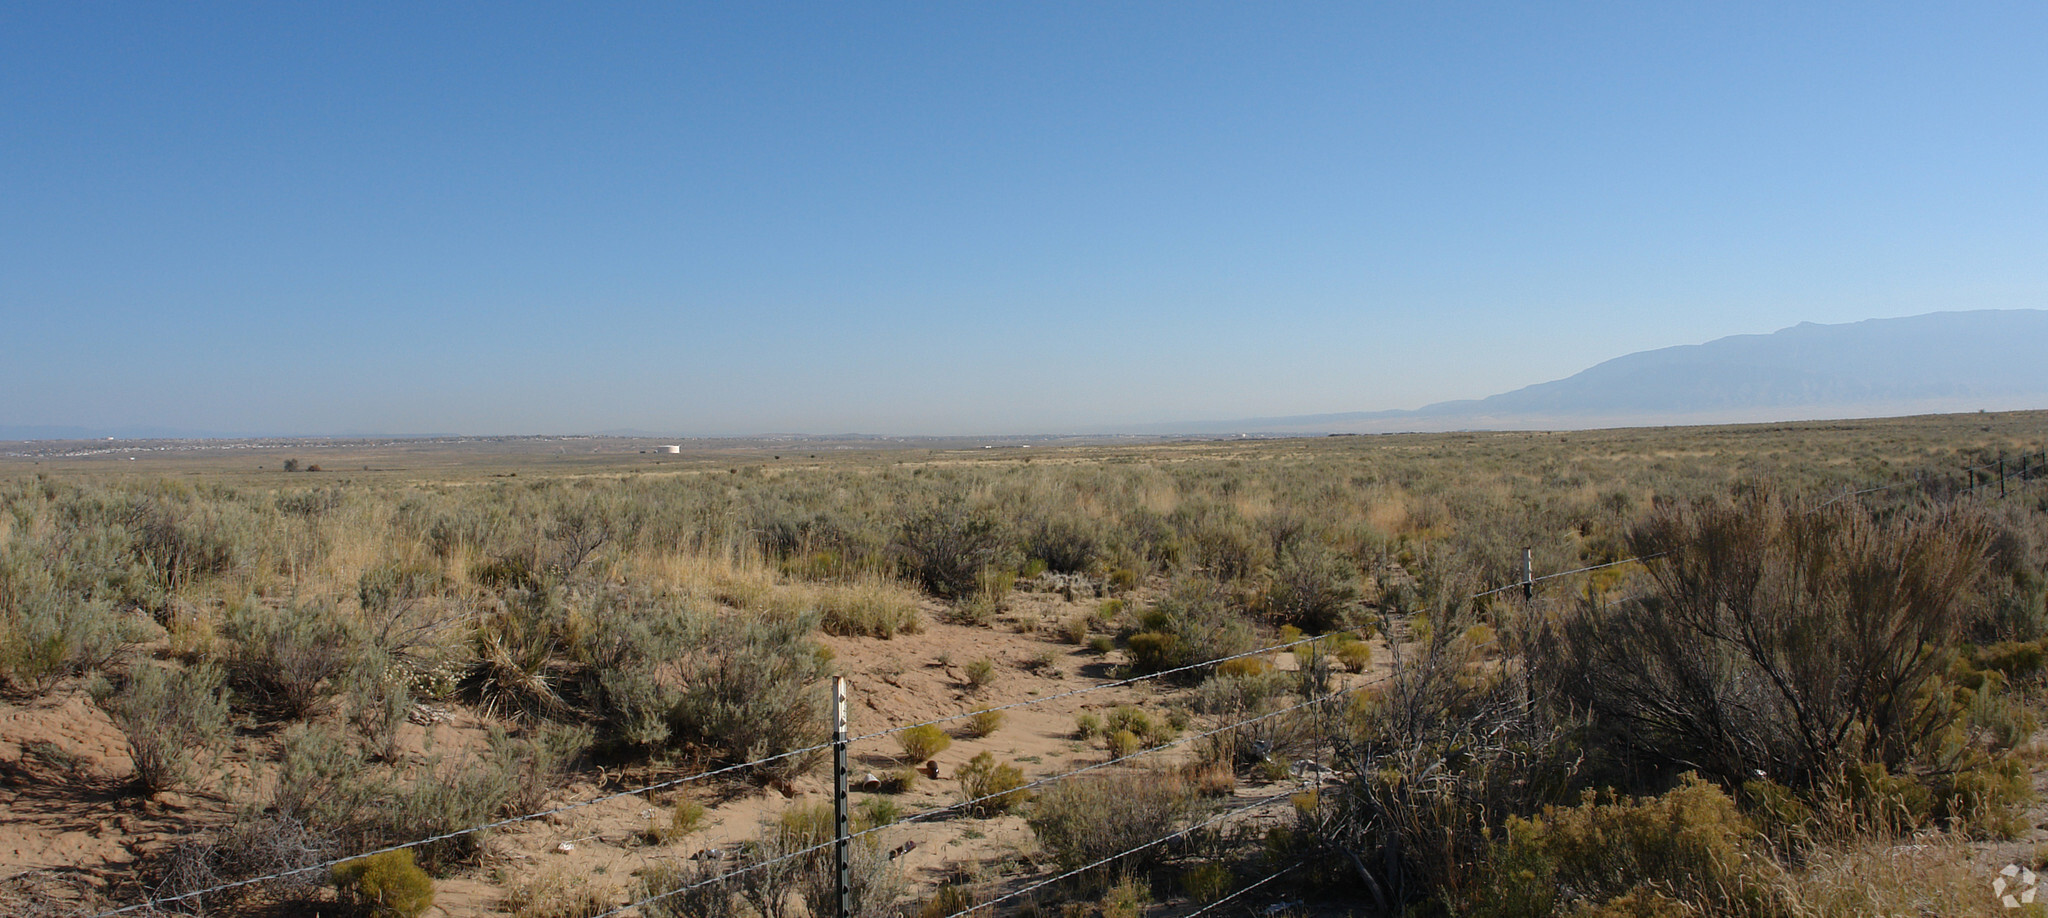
{"x": 842, "y": 849}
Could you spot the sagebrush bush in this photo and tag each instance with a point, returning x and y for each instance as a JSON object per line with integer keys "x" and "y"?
{"x": 1778, "y": 638}
{"x": 170, "y": 716}
{"x": 752, "y": 692}
{"x": 947, "y": 548}
{"x": 984, "y": 723}
{"x": 1088, "y": 818}
{"x": 295, "y": 658}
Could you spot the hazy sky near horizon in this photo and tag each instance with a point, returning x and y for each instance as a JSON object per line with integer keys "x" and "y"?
{"x": 970, "y": 217}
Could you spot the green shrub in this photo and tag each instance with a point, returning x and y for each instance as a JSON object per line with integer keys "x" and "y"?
{"x": 922, "y": 743}
{"x": 1356, "y": 656}
{"x": 388, "y": 885}
{"x": 169, "y": 715}
{"x": 1101, "y": 645}
{"x": 1193, "y": 623}
{"x": 983, "y": 777}
{"x": 1689, "y": 849}
{"x": 981, "y": 672}
{"x": 1127, "y": 898}
{"x": 1124, "y": 743}
{"x": 946, "y": 901}
{"x": 984, "y": 723}
{"x": 686, "y": 818}
{"x": 1087, "y": 726}
{"x": 878, "y": 811}
{"x": 1205, "y": 883}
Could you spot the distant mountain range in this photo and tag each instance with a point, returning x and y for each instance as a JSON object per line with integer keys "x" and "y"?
{"x": 1942, "y": 362}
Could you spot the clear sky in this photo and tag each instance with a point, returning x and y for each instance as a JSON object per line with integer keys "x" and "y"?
{"x": 970, "y": 217}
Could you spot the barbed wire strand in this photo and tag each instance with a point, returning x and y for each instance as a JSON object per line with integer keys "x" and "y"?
{"x": 1268, "y": 801}
{"x": 1277, "y": 874}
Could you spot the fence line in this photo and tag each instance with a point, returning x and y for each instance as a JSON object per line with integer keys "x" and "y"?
{"x": 154, "y": 900}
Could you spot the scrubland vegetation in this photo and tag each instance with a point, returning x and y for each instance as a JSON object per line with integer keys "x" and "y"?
{"x": 1785, "y": 687}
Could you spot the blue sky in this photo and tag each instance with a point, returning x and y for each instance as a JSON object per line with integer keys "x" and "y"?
{"x": 970, "y": 218}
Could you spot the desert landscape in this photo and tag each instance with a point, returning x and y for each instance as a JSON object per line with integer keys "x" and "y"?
{"x": 1300, "y": 673}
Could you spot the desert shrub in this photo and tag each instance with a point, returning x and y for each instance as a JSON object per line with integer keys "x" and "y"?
{"x": 1777, "y": 638}
{"x": 946, "y": 548}
{"x": 1444, "y": 713}
{"x": 685, "y": 818}
{"x": 1242, "y": 666}
{"x": 1101, "y": 645}
{"x": 794, "y": 853}
{"x": 984, "y": 723}
{"x": 992, "y": 786}
{"x": 1205, "y": 883}
{"x": 1355, "y": 656}
{"x": 878, "y": 811}
{"x": 1123, "y": 743}
{"x": 253, "y": 845}
{"x": 870, "y": 607}
{"x": 537, "y": 760}
{"x": 1087, "y": 726}
{"x": 387, "y": 885}
{"x": 1065, "y": 543}
{"x": 1075, "y": 629}
{"x": 921, "y": 743}
{"x": 946, "y": 901}
{"x": 441, "y": 798}
{"x": 1238, "y": 696}
{"x": 1192, "y": 623}
{"x": 1152, "y": 730}
{"x": 1126, "y": 898}
{"x": 1312, "y": 586}
{"x": 752, "y": 692}
{"x": 558, "y": 894}
{"x": 1085, "y": 819}
{"x": 293, "y": 658}
{"x": 689, "y": 889}
{"x": 323, "y": 782}
{"x": 1686, "y": 851}
{"x": 47, "y": 636}
{"x": 169, "y": 716}
{"x": 981, "y": 672}
{"x": 899, "y": 780}
{"x": 630, "y": 656}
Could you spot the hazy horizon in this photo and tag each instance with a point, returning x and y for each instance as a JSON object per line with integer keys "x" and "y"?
{"x": 907, "y": 219}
